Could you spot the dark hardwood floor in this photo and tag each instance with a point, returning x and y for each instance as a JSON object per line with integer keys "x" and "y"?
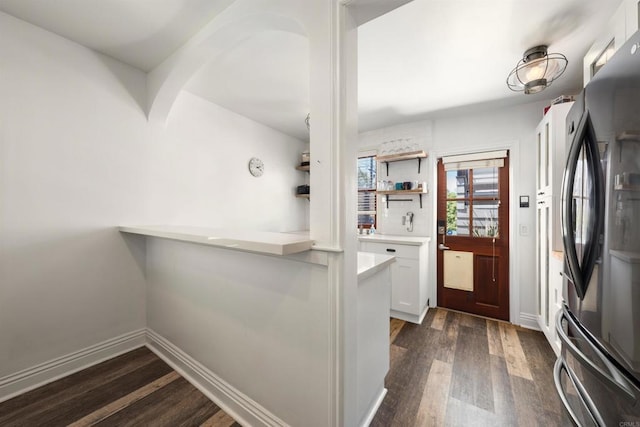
{"x": 461, "y": 370}
{"x": 135, "y": 389}
{"x": 453, "y": 370}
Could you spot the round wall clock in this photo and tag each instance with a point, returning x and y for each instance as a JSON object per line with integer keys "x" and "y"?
{"x": 256, "y": 167}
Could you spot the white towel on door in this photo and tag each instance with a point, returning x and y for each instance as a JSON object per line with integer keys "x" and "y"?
{"x": 458, "y": 270}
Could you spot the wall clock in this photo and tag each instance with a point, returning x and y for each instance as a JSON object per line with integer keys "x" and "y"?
{"x": 256, "y": 167}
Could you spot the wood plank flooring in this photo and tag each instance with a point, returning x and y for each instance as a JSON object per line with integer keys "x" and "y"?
{"x": 461, "y": 370}
{"x": 135, "y": 389}
{"x": 453, "y": 370}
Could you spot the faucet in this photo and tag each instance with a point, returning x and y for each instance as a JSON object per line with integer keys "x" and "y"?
{"x": 408, "y": 221}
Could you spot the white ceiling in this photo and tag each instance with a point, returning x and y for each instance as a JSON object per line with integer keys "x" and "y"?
{"x": 141, "y": 33}
{"x": 425, "y": 58}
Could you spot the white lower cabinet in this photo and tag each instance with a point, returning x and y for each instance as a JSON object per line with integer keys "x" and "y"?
{"x": 409, "y": 291}
{"x": 549, "y": 274}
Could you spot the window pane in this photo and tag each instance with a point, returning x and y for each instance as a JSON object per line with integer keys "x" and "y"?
{"x": 366, "y": 201}
{"x": 458, "y": 218}
{"x": 485, "y": 218}
{"x": 485, "y": 182}
{"x": 457, "y": 183}
{"x": 366, "y": 173}
{"x": 366, "y": 221}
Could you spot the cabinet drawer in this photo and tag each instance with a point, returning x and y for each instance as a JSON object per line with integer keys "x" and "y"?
{"x": 400, "y": 251}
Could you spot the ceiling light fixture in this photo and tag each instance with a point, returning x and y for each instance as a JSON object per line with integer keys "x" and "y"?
{"x": 536, "y": 70}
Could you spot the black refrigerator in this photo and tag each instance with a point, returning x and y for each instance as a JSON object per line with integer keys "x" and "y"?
{"x": 597, "y": 374}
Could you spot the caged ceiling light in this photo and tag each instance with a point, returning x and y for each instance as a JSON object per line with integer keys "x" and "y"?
{"x": 536, "y": 70}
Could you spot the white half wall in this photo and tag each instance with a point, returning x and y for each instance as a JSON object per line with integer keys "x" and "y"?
{"x": 261, "y": 324}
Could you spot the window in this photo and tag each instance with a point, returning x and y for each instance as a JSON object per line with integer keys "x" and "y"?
{"x": 472, "y": 202}
{"x": 367, "y": 191}
{"x": 473, "y": 194}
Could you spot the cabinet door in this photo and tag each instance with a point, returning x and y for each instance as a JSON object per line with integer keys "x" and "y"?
{"x": 404, "y": 286}
{"x": 542, "y": 263}
{"x": 543, "y": 155}
{"x": 555, "y": 298}
{"x": 551, "y": 143}
{"x": 612, "y": 36}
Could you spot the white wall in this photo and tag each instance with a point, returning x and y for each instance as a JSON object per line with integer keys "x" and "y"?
{"x": 261, "y": 324}
{"x": 504, "y": 127}
{"x": 200, "y": 174}
{"x": 78, "y": 158}
{"x": 389, "y": 219}
{"x": 73, "y": 164}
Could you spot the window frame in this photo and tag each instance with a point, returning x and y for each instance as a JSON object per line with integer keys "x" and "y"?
{"x": 469, "y": 202}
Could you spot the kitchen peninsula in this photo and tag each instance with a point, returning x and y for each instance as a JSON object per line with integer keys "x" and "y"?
{"x": 243, "y": 240}
{"x": 247, "y": 317}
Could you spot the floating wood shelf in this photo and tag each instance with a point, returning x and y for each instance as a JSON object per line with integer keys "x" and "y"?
{"x": 304, "y": 168}
{"x": 402, "y": 156}
{"x": 413, "y": 155}
{"x": 303, "y": 196}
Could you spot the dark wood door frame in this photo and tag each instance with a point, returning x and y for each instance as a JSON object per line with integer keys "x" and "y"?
{"x": 487, "y": 299}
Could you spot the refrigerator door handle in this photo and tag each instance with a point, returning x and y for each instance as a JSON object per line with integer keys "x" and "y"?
{"x": 568, "y": 207}
{"x": 595, "y": 416}
{"x": 623, "y": 388}
{"x": 581, "y": 274}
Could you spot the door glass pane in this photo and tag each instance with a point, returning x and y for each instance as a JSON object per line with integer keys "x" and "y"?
{"x": 485, "y": 182}
{"x": 457, "y": 217}
{"x": 539, "y": 160}
{"x": 547, "y": 156}
{"x": 457, "y": 183}
{"x": 485, "y": 218}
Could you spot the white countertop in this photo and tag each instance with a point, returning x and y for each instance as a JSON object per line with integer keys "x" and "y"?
{"x": 242, "y": 240}
{"x": 390, "y": 238}
{"x": 370, "y": 263}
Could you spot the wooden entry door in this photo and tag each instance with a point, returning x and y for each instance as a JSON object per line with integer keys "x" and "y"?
{"x": 473, "y": 237}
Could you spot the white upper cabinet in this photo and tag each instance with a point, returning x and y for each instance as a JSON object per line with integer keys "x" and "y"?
{"x": 622, "y": 25}
{"x": 551, "y": 148}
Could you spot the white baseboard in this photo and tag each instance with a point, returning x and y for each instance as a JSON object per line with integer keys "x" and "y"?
{"x": 529, "y": 321}
{"x": 374, "y": 408}
{"x": 238, "y": 405}
{"x": 44, "y": 373}
{"x": 410, "y": 317}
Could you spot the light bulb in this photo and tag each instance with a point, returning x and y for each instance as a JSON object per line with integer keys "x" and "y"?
{"x": 536, "y": 70}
